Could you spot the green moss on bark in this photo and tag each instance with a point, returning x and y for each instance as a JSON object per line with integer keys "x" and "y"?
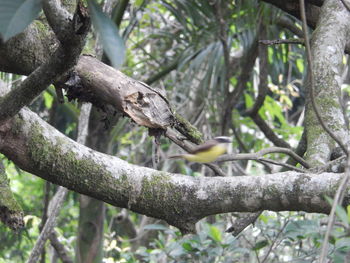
{"x": 156, "y": 188}
{"x": 59, "y": 159}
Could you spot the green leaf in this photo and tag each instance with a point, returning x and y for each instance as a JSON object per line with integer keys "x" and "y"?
{"x": 259, "y": 245}
{"x": 215, "y": 233}
{"x": 112, "y": 43}
{"x": 138, "y": 3}
{"x": 187, "y": 246}
{"x": 343, "y": 244}
{"x": 48, "y": 99}
{"x": 248, "y": 101}
{"x": 263, "y": 218}
{"x": 300, "y": 64}
{"x": 341, "y": 213}
{"x": 16, "y": 15}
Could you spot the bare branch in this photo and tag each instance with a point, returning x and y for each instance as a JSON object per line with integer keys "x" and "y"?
{"x": 274, "y": 242}
{"x": 240, "y": 223}
{"x": 54, "y": 208}
{"x": 285, "y": 165}
{"x": 60, "y": 249}
{"x": 268, "y": 132}
{"x": 257, "y": 156}
{"x": 282, "y": 41}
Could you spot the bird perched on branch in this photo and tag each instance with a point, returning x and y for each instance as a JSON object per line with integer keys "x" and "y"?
{"x": 207, "y": 152}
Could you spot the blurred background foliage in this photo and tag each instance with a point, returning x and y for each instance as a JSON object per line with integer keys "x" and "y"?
{"x": 179, "y": 47}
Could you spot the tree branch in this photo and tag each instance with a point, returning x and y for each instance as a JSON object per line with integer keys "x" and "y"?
{"x": 11, "y": 213}
{"x": 268, "y": 132}
{"x": 54, "y": 208}
{"x": 62, "y": 60}
{"x": 324, "y": 84}
{"x": 180, "y": 200}
{"x": 259, "y": 154}
{"x": 60, "y": 249}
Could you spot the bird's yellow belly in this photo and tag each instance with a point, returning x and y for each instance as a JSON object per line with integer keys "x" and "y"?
{"x": 207, "y": 156}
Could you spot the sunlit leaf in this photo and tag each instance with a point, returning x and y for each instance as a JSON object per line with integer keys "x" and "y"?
{"x": 16, "y": 15}
{"x": 112, "y": 43}
{"x": 248, "y": 101}
{"x": 215, "y": 233}
{"x": 187, "y": 246}
{"x": 48, "y": 99}
{"x": 300, "y": 64}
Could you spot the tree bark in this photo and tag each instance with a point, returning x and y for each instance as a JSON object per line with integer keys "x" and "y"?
{"x": 327, "y": 46}
{"x": 180, "y": 200}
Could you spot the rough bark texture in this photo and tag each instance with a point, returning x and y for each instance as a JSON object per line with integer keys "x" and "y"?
{"x": 328, "y": 44}
{"x": 11, "y": 213}
{"x": 100, "y": 84}
{"x": 104, "y": 85}
{"x": 181, "y": 200}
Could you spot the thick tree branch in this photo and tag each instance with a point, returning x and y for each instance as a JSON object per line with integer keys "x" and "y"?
{"x": 109, "y": 89}
{"x": 62, "y": 60}
{"x": 324, "y": 86}
{"x": 58, "y": 18}
{"x": 181, "y": 200}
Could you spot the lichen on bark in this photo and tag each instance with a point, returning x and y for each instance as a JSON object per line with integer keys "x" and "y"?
{"x": 327, "y": 45}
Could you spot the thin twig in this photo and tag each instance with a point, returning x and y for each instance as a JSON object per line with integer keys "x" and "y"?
{"x": 241, "y": 223}
{"x": 326, "y": 166}
{"x": 291, "y": 167}
{"x": 60, "y": 248}
{"x": 258, "y": 155}
{"x": 312, "y": 81}
{"x": 274, "y": 242}
{"x": 282, "y": 41}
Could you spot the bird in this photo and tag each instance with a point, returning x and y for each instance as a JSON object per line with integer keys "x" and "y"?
{"x": 207, "y": 152}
